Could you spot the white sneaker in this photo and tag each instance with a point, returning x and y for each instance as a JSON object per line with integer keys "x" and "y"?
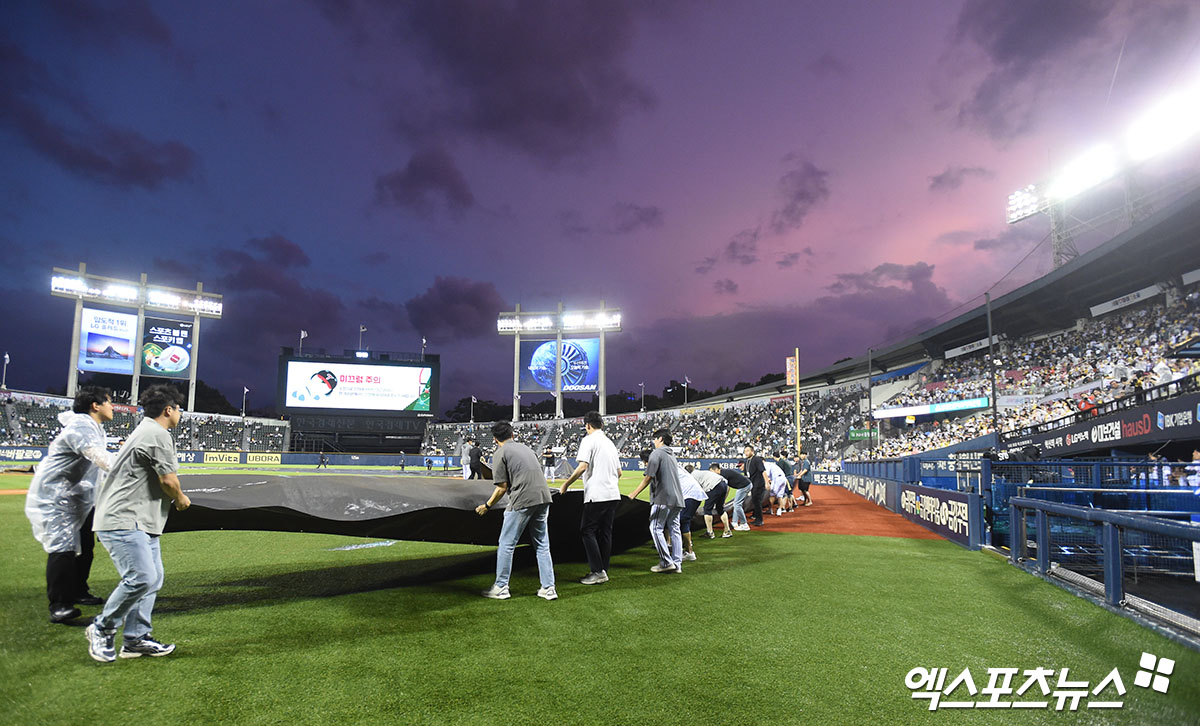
{"x": 497, "y": 593}
{"x": 660, "y": 568}
{"x": 548, "y": 593}
{"x": 689, "y": 556}
{"x": 728, "y": 533}
{"x": 595, "y": 578}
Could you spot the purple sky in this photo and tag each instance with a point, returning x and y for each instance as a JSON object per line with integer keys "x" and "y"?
{"x": 739, "y": 178}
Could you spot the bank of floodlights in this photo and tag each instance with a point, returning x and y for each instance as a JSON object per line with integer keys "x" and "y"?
{"x": 607, "y": 321}
{"x": 1165, "y": 127}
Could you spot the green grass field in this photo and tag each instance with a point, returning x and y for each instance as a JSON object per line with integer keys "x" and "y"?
{"x": 766, "y": 628}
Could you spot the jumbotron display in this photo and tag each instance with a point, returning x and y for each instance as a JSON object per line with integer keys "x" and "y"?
{"x": 580, "y": 364}
{"x": 337, "y": 385}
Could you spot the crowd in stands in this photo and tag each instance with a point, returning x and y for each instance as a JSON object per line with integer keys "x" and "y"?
{"x": 32, "y": 420}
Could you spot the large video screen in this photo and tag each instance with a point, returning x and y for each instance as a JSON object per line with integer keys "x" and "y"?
{"x": 580, "y": 364}
{"x": 106, "y": 341}
{"x": 166, "y": 348}
{"x": 376, "y": 387}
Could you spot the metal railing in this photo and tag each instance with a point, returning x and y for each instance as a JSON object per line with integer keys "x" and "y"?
{"x": 1116, "y": 552}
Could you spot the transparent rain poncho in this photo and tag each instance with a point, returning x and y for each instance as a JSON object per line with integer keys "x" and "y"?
{"x": 64, "y": 484}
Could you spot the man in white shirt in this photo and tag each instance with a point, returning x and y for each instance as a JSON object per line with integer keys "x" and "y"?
{"x": 600, "y": 466}
{"x": 778, "y": 485}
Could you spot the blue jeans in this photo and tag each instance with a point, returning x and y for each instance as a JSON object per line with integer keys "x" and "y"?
{"x": 664, "y": 530}
{"x": 515, "y": 522}
{"x": 739, "y": 511}
{"x": 138, "y": 559}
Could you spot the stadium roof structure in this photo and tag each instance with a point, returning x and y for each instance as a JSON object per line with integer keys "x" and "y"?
{"x": 1161, "y": 247}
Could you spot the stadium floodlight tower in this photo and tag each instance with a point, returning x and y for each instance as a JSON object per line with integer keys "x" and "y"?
{"x": 548, "y": 326}
{"x": 1165, "y": 127}
{"x": 80, "y": 286}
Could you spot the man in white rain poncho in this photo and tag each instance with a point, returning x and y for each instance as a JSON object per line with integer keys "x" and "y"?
{"x": 60, "y": 499}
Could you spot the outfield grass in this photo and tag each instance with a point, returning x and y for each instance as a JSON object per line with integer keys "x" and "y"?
{"x": 765, "y": 628}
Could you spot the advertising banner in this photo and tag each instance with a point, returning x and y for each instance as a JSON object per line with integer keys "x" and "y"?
{"x": 166, "y": 348}
{"x": 791, "y": 370}
{"x": 580, "y": 365}
{"x": 944, "y": 407}
{"x": 357, "y": 386}
{"x": 106, "y": 341}
{"x": 1176, "y": 419}
{"x": 859, "y": 434}
{"x": 944, "y": 512}
{"x": 970, "y": 347}
{"x": 1116, "y": 303}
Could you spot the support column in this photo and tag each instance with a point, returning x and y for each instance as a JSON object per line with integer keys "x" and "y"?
{"x": 602, "y": 384}
{"x": 516, "y": 399}
{"x": 73, "y": 367}
{"x": 191, "y": 404}
{"x": 558, "y": 350}
{"x": 138, "y": 355}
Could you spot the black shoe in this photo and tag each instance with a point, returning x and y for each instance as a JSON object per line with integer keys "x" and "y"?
{"x": 709, "y": 535}
{"x": 63, "y": 613}
{"x": 89, "y": 599}
{"x": 757, "y": 524}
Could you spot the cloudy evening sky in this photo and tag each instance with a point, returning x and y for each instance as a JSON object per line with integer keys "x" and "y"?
{"x": 738, "y": 177}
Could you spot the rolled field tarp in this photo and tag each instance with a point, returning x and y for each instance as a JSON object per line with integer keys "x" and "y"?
{"x": 415, "y": 508}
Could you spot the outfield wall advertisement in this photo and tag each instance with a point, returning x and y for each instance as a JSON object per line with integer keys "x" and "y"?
{"x": 167, "y": 348}
{"x": 107, "y": 341}
{"x": 330, "y": 385}
{"x": 580, "y": 365}
{"x": 947, "y": 513}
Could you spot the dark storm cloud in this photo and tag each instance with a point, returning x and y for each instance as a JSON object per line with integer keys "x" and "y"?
{"x": 376, "y": 258}
{"x": 175, "y": 273}
{"x": 792, "y": 258}
{"x": 802, "y": 189}
{"x": 280, "y": 251}
{"x": 74, "y": 138}
{"x": 829, "y": 65}
{"x": 725, "y": 286}
{"x": 627, "y": 217}
{"x": 110, "y": 24}
{"x": 893, "y": 302}
{"x": 392, "y": 314}
{"x": 621, "y": 218}
{"x": 430, "y": 172}
{"x": 954, "y": 176}
{"x": 743, "y": 248}
{"x": 706, "y": 265}
{"x": 544, "y": 77}
{"x": 572, "y": 224}
{"x": 1021, "y": 39}
{"x": 1012, "y": 237}
{"x": 454, "y": 308}
{"x": 916, "y": 275}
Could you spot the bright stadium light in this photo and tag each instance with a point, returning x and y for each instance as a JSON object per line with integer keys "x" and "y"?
{"x": 1095, "y": 167}
{"x": 121, "y": 292}
{"x": 1023, "y": 203}
{"x": 1166, "y": 126}
{"x": 162, "y": 298}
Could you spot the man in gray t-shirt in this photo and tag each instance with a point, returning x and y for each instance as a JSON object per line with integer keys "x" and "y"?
{"x": 516, "y": 471}
{"x": 131, "y": 510}
{"x": 666, "y": 502}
